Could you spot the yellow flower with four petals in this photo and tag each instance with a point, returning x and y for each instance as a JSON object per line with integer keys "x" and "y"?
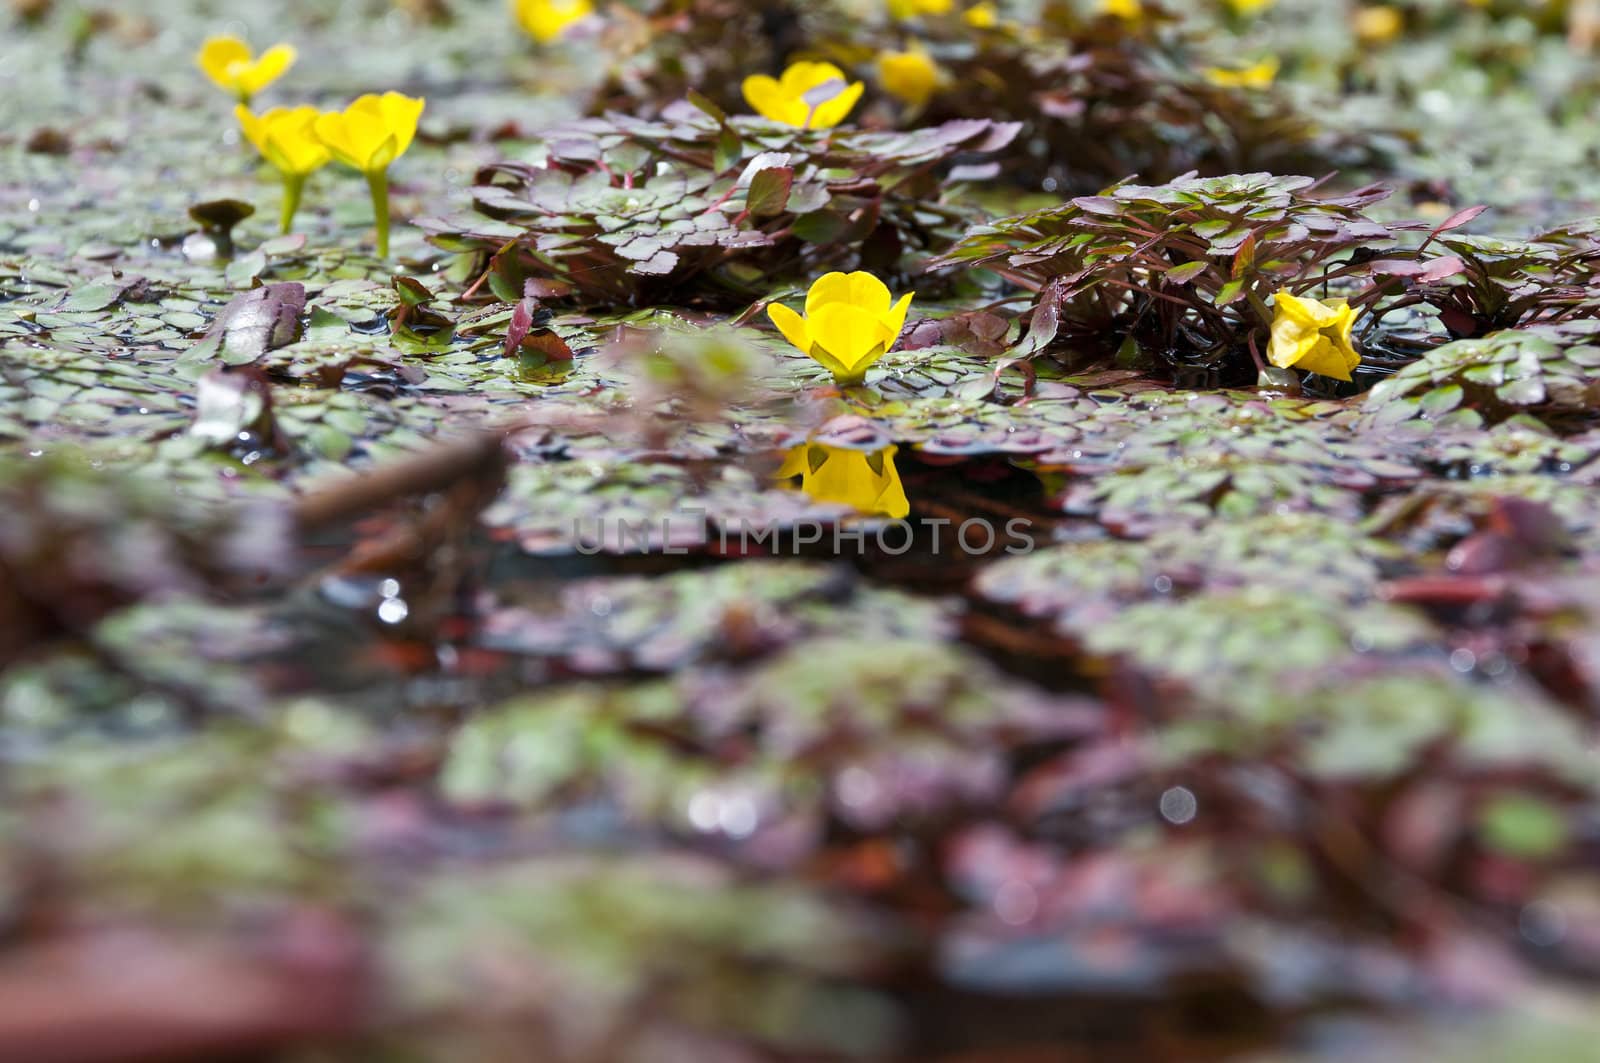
{"x": 1313, "y": 335}
{"x": 867, "y": 481}
{"x": 851, "y": 321}
{"x": 287, "y": 139}
{"x": 809, "y": 95}
{"x": 547, "y": 20}
{"x": 367, "y": 136}
{"x": 229, "y": 63}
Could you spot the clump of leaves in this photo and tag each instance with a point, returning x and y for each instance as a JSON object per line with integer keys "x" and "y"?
{"x": 626, "y": 211}
{"x": 1502, "y": 284}
{"x": 1550, "y": 371}
{"x": 1185, "y": 268}
{"x": 672, "y": 47}
{"x": 1102, "y": 98}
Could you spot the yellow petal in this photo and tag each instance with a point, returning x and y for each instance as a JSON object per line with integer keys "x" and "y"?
{"x": 291, "y": 142}
{"x": 218, "y": 58}
{"x": 849, "y": 334}
{"x": 254, "y": 128}
{"x": 1325, "y": 359}
{"x": 894, "y": 321}
{"x": 792, "y": 325}
{"x": 400, "y": 115}
{"x": 836, "y": 110}
{"x": 909, "y": 76}
{"x": 828, "y": 288}
{"x": 547, "y": 20}
{"x": 264, "y": 71}
{"x": 767, "y": 98}
{"x": 1291, "y": 341}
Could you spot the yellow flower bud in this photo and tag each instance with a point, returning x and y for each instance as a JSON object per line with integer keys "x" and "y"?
{"x": 1313, "y": 335}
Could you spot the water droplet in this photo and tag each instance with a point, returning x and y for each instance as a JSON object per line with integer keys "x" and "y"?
{"x": 1463, "y": 660}
{"x": 737, "y": 817}
{"x": 393, "y": 610}
{"x": 1179, "y": 805}
{"x": 389, "y": 588}
{"x": 1542, "y": 924}
{"x": 1015, "y": 902}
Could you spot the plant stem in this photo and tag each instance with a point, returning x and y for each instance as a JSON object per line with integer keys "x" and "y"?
{"x": 378, "y": 182}
{"x": 293, "y": 185}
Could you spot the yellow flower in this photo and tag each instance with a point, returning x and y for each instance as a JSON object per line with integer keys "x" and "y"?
{"x": 1257, "y": 76}
{"x": 1378, "y": 24}
{"x": 904, "y": 9}
{"x": 982, "y": 16}
{"x": 911, "y": 76}
{"x": 809, "y": 95}
{"x": 285, "y": 138}
{"x": 851, "y": 321}
{"x": 1131, "y": 10}
{"x": 1313, "y": 335}
{"x": 547, "y": 20}
{"x": 1245, "y": 8}
{"x": 368, "y": 135}
{"x": 372, "y": 132}
{"x": 228, "y": 62}
{"x": 867, "y": 482}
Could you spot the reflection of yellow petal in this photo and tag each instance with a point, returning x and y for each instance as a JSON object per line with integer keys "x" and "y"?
{"x": 850, "y": 334}
{"x": 794, "y": 463}
{"x": 792, "y": 325}
{"x": 868, "y": 482}
{"x": 218, "y": 58}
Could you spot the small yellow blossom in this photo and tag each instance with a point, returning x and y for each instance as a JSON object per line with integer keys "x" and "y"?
{"x": 1378, "y": 24}
{"x": 228, "y": 62}
{"x": 982, "y": 16}
{"x": 1256, "y": 76}
{"x": 809, "y": 95}
{"x": 367, "y": 136}
{"x": 911, "y": 77}
{"x": 864, "y": 481}
{"x": 1130, "y": 10}
{"x": 904, "y": 9}
{"x": 1245, "y": 8}
{"x": 547, "y": 20}
{"x": 1313, "y": 335}
{"x": 286, "y": 138}
{"x": 851, "y": 321}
